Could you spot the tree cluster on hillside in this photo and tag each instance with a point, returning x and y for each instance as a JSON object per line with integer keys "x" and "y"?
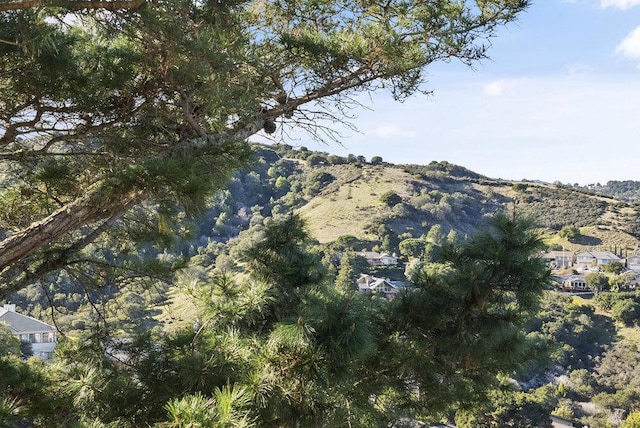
{"x": 624, "y": 306}
{"x": 280, "y": 344}
{"x": 574, "y": 333}
{"x": 136, "y": 104}
{"x": 557, "y": 208}
{"x": 626, "y": 190}
{"x": 587, "y": 373}
{"x": 442, "y": 169}
{"x": 121, "y": 151}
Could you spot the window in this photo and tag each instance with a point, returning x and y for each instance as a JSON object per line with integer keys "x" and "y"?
{"x": 48, "y": 337}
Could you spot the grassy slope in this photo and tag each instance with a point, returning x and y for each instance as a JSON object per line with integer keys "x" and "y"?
{"x": 177, "y": 313}
{"x": 596, "y": 238}
{"x": 629, "y": 334}
{"x": 353, "y": 201}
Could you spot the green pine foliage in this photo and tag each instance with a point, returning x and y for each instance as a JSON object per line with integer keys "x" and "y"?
{"x": 351, "y": 266}
{"x": 281, "y": 344}
{"x": 469, "y": 317}
{"x": 129, "y": 122}
{"x": 129, "y": 106}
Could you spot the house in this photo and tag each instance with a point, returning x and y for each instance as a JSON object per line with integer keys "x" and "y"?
{"x": 633, "y": 263}
{"x": 595, "y": 259}
{"x": 368, "y": 284}
{"x": 630, "y": 281}
{"x": 40, "y": 335}
{"x": 585, "y": 260}
{"x": 575, "y": 283}
{"x": 559, "y": 259}
{"x": 558, "y": 422}
{"x": 377, "y": 259}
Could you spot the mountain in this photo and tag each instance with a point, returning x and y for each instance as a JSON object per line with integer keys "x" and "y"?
{"x": 585, "y": 357}
{"x": 352, "y": 202}
{"x": 347, "y": 196}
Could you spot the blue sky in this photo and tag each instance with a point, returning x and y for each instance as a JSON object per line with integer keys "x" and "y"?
{"x": 559, "y": 100}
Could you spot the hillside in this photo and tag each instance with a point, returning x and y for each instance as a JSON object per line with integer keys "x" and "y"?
{"x": 354, "y": 203}
{"x": 339, "y": 196}
{"x": 351, "y": 205}
{"x": 342, "y": 200}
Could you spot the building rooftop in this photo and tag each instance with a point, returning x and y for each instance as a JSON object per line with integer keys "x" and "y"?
{"x": 20, "y": 324}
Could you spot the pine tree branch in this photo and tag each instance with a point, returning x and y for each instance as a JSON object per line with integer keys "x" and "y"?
{"x": 104, "y": 200}
{"x": 100, "y": 203}
{"x": 72, "y": 5}
{"x": 22, "y": 274}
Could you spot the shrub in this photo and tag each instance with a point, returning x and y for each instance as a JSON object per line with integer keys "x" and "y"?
{"x": 390, "y": 198}
{"x": 626, "y": 311}
{"x": 572, "y": 233}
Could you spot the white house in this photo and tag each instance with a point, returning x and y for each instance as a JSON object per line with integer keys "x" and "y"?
{"x": 377, "y": 259}
{"x": 633, "y": 262}
{"x": 368, "y": 284}
{"x": 575, "y": 284}
{"x": 589, "y": 259}
{"x": 40, "y": 335}
{"x": 559, "y": 259}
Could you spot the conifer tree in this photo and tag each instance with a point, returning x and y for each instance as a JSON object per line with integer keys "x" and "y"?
{"x": 351, "y": 266}
{"x": 111, "y": 109}
{"x": 280, "y": 345}
{"x": 447, "y": 339}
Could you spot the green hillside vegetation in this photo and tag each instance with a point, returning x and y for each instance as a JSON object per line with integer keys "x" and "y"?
{"x": 349, "y": 203}
{"x": 342, "y": 201}
{"x": 457, "y": 199}
{"x": 199, "y": 280}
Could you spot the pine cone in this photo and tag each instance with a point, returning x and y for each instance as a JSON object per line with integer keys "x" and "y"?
{"x": 269, "y": 126}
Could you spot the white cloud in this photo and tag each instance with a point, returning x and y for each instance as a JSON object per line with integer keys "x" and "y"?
{"x": 498, "y": 88}
{"x": 619, "y": 4}
{"x": 630, "y": 45}
{"x": 393, "y": 131}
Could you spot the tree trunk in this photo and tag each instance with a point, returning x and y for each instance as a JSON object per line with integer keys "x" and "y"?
{"x": 72, "y": 5}
{"x": 99, "y": 203}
